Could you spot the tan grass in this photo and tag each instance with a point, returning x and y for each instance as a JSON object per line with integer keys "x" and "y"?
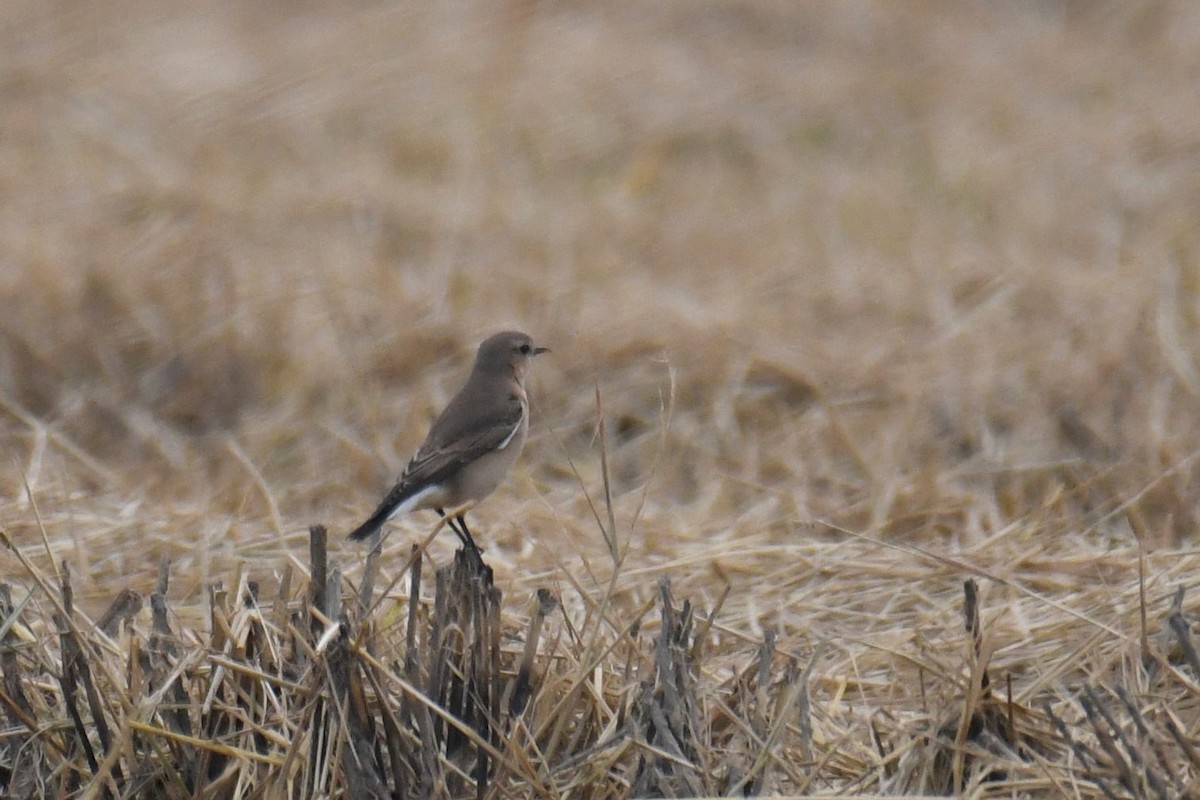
{"x": 877, "y": 297}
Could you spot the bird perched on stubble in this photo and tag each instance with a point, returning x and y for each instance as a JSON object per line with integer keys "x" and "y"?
{"x": 474, "y": 442}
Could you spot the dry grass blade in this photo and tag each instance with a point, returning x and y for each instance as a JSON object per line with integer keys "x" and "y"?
{"x": 312, "y": 704}
{"x": 272, "y": 709}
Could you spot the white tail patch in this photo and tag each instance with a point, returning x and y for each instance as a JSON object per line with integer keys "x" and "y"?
{"x": 426, "y": 498}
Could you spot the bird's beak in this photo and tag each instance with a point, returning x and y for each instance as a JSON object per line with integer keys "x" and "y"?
{"x": 537, "y": 351}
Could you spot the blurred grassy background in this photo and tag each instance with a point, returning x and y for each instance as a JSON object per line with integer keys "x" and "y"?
{"x": 925, "y": 270}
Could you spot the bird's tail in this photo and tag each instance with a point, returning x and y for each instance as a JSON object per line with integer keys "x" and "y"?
{"x": 369, "y": 527}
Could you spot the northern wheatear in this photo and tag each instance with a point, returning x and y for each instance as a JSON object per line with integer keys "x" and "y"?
{"x": 472, "y": 444}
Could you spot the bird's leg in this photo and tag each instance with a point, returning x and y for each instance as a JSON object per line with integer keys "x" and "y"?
{"x": 460, "y": 530}
{"x": 468, "y": 540}
{"x": 449, "y": 521}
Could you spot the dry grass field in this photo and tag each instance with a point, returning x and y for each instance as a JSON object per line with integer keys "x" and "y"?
{"x": 849, "y": 302}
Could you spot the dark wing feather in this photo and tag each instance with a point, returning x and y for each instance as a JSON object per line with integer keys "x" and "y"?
{"x": 435, "y": 464}
{"x": 452, "y": 442}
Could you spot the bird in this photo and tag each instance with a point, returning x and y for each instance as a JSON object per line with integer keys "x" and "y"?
{"x": 472, "y": 444}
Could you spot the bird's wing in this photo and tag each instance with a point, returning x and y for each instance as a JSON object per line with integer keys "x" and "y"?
{"x": 442, "y": 456}
{"x": 454, "y": 441}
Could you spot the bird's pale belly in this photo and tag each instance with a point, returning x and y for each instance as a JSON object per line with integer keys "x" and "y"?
{"x": 480, "y": 478}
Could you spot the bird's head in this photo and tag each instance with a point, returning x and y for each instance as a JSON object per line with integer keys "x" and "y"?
{"x": 511, "y": 350}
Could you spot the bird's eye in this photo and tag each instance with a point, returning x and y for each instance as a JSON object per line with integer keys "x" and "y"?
{"x": 525, "y": 349}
